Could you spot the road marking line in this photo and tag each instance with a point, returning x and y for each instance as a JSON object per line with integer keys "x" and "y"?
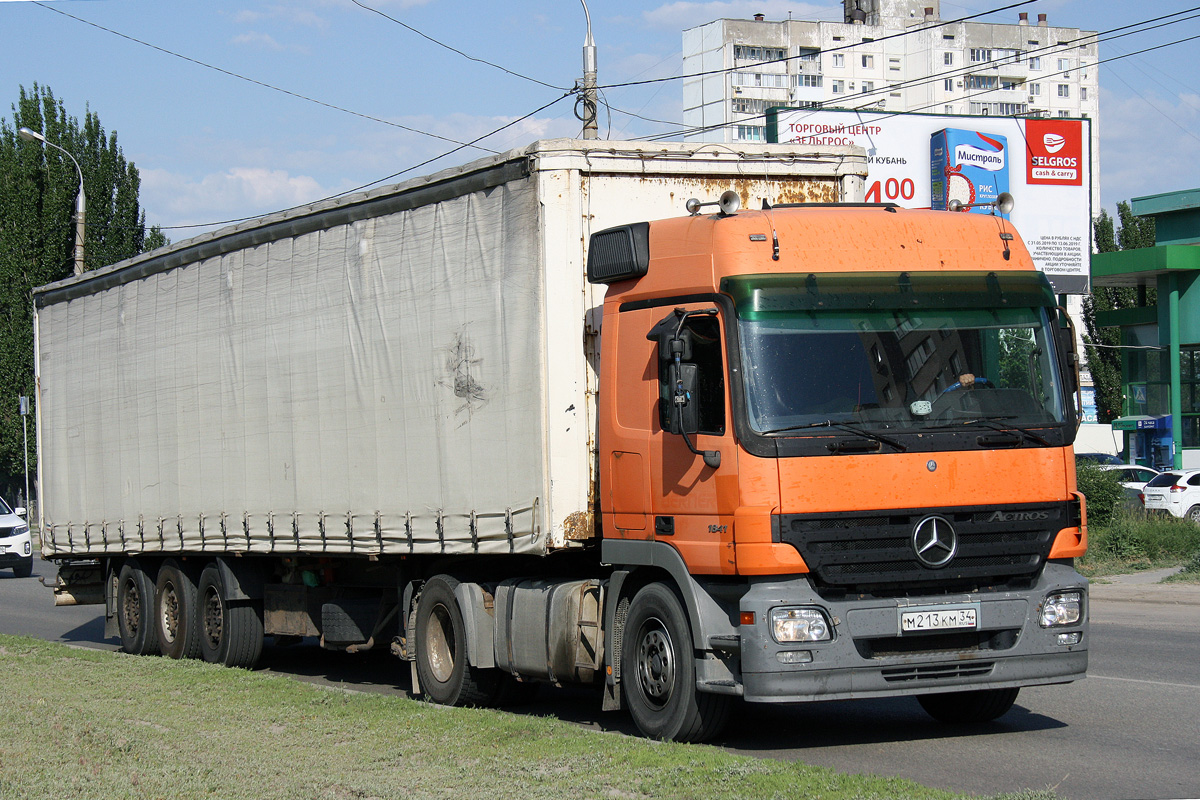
{"x": 1138, "y": 680}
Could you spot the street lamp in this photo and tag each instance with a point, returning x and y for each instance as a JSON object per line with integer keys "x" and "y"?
{"x": 590, "y": 106}
{"x": 80, "y": 202}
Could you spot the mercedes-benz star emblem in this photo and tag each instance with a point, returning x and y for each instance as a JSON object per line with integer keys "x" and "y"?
{"x": 934, "y": 541}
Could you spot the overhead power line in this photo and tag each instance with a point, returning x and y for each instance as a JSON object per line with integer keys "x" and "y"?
{"x": 254, "y": 81}
{"x": 467, "y": 56}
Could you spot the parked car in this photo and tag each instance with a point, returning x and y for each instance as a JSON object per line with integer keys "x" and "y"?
{"x": 1132, "y": 476}
{"x": 16, "y": 547}
{"x": 1099, "y": 458}
{"x": 1176, "y": 492}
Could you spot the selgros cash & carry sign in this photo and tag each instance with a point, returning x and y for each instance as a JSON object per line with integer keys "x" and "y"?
{"x": 927, "y": 160}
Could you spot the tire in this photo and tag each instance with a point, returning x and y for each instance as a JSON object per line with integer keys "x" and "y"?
{"x": 135, "y": 609}
{"x": 979, "y": 706}
{"x": 1193, "y": 514}
{"x": 175, "y": 618}
{"x": 658, "y": 672}
{"x": 442, "y": 669}
{"x": 230, "y": 632}
{"x": 24, "y": 569}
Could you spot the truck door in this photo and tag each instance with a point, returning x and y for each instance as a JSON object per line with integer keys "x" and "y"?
{"x": 692, "y": 502}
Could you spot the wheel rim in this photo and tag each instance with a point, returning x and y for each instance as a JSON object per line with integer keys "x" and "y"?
{"x": 439, "y": 643}
{"x": 170, "y": 613}
{"x": 131, "y": 604}
{"x": 214, "y": 618}
{"x": 655, "y": 662}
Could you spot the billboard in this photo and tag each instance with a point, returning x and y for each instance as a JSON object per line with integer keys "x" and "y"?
{"x": 927, "y": 160}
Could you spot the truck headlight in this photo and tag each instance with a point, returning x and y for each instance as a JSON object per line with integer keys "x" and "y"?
{"x": 1062, "y": 608}
{"x": 799, "y": 625}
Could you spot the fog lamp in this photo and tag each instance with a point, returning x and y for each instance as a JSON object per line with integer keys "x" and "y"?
{"x": 1062, "y": 608}
{"x": 799, "y": 625}
{"x": 794, "y": 657}
{"x": 1074, "y": 637}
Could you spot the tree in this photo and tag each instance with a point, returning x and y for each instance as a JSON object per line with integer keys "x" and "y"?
{"x": 1101, "y": 345}
{"x": 38, "y": 185}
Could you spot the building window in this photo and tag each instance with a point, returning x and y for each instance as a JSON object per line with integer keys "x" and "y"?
{"x": 839, "y": 59}
{"x": 948, "y": 84}
{"x": 1064, "y": 114}
{"x": 1035, "y": 62}
{"x": 982, "y": 81}
{"x": 868, "y": 86}
{"x": 809, "y": 54}
{"x": 947, "y": 109}
{"x": 750, "y": 133}
{"x": 760, "y": 80}
{"x": 806, "y": 80}
{"x": 743, "y": 52}
{"x": 868, "y": 62}
{"x": 1083, "y": 93}
{"x": 1035, "y": 89}
{"x": 1064, "y": 64}
{"x": 1064, "y": 90}
{"x": 894, "y": 64}
{"x": 979, "y": 54}
{"x": 750, "y": 105}
{"x": 948, "y": 59}
{"x": 949, "y": 37}
{"x": 839, "y": 87}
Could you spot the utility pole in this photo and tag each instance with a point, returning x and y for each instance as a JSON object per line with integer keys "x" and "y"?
{"x": 590, "y": 106}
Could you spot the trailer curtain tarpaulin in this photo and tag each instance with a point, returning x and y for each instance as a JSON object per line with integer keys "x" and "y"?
{"x": 339, "y": 391}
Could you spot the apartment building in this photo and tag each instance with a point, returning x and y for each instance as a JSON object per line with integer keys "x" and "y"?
{"x": 886, "y": 55}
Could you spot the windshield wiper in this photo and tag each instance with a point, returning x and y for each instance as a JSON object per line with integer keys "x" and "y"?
{"x": 857, "y": 431}
{"x": 1007, "y": 427}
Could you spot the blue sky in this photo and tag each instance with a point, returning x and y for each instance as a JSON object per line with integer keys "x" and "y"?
{"x": 214, "y": 147}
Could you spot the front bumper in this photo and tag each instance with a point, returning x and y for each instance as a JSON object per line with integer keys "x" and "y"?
{"x": 869, "y": 656}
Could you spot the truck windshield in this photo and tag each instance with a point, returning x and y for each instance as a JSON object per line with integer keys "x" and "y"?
{"x": 897, "y": 352}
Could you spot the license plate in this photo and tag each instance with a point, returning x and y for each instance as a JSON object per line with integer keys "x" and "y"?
{"x": 939, "y": 619}
{"x": 1154, "y": 502}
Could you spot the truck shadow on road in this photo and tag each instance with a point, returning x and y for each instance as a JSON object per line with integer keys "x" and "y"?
{"x": 754, "y": 729}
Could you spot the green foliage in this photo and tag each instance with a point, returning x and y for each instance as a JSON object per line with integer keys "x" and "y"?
{"x": 1100, "y": 344}
{"x": 1103, "y": 490}
{"x": 1133, "y": 541}
{"x": 38, "y": 186}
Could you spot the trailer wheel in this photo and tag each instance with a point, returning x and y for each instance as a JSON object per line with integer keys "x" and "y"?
{"x": 135, "y": 610}
{"x": 984, "y": 705}
{"x": 175, "y": 618}
{"x": 230, "y": 632}
{"x": 445, "y": 676}
{"x": 658, "y": 671}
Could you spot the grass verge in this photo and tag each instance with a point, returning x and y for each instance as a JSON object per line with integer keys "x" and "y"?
{"x": 1133, "y": 542}
{"x": 90, "y": 724}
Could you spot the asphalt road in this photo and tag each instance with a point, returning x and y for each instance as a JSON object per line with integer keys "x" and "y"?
{"x": 1130, "y": 730}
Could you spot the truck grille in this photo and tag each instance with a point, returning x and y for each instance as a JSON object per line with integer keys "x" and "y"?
{"x": 872, "y": 552}
{"x": 939, "y": 672}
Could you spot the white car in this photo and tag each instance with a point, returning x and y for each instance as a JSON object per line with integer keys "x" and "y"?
{"x": 1131, "y": 476}
{"x": 1176, "y": 492}
{"x": 16, "y": 547}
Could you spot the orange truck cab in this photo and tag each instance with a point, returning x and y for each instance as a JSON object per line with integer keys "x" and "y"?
{"x": 835, "y": 461}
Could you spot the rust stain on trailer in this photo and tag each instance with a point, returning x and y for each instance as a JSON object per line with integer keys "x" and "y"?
{"x": 579, "y": 526}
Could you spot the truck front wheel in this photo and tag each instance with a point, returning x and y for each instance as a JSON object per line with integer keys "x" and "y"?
{"x": 135, "y": 609}
{"x": 231, "y": 632}
{"x": 984, "y": 705}
{"x": 442, "y": 669}
{"x": 658, "y": 671}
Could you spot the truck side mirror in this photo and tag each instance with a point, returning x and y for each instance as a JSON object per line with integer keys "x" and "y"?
{"x": 679, "y": 378}
{"x": 679, "y": 403}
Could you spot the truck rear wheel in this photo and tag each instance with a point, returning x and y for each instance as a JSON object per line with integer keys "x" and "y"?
{"x": 442, "y": 669}
{"x": 135, "y": 609}
{"x": 175, "y": 615}
{"x": 230, "y": 632}
{"x": 984, "y": 705}
{"x": 658, "y": 671}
